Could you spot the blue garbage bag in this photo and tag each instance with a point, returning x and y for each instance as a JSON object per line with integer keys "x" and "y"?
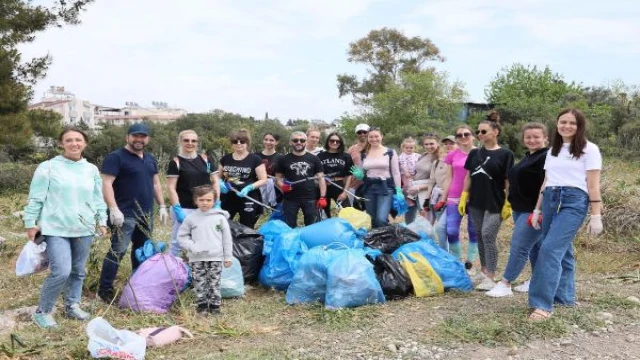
{"x": 271, "y": 230}
{"x": 450, "y": 269}
{"x": 351, "y": 281}
{"x": 282, "y": 261}
{"x": 371, "y": 252}
{"x": 278, "y": 214}
{"x": 309, "y": 283}
{"x": 149, "y": 249}
{"x": 232, "y": 281}
{"x": 400, "y": 205}
{"x": 334, "y": 230}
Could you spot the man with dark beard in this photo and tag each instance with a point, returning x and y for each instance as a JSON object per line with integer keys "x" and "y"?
{"x": 130, "y": 182}
{"x": 295, "y": 174}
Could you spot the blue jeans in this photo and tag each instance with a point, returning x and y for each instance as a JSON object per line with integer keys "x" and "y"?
{"x": 132, "y": 231}
{"x": 524, "y": 246}
{"x": 441, "y": 229}
{"x": 379, "y": 200}
{"x": 67, "y": 260}
{"x": 176, "y": 249}
{"x": 564, "y": 210}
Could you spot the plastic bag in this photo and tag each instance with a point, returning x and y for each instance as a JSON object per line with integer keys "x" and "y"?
{"x": 271, "y": 230}
{"x": 154, "y": 287}
{"x": 247, "y": 248}
{"x": 388, "y": 238}
{"x": 33, "y": 259}
{"x": 330, "y": 231}
{"x": 451, "y": 270}
{"x": 351, "y": 281}
{"x": 149, "y": 249}
{"x": 309, "y": 283}
{"x": 422, "y": 227}
{"x": 232, "y": 281}
{"x": 358, "y": 219}
{"x": 371, "y": 253}
{"x": 424, "y": 279}
{"x": 278, "y": 214}
{"x": 400, "y": 205}
{"x": 282, "y": 261}
{"x": 393, "y": 278}
{"x": 107, "y": 342}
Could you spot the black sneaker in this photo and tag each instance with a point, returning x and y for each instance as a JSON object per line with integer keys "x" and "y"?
{"x": 106, "y": 295}
{"x": 468, "y": 265}
{"x": 202, "y": 309}
{"x": 215, "y": 309}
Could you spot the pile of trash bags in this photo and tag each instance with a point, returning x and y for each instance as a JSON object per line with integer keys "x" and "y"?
{"x": 334, "y": 263}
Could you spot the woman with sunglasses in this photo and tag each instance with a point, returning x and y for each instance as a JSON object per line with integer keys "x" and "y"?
{"x": 244, "y": 173}
{"x": 452, "y": 192}
{"x": 418, "y": 188}
{"x": 187, "y": 171}
{"x": 336, "y": 164}
{"x": 571, "y": 187}
{"x": 381, "y": 175}
{"x": 270, "y": 158}
{"x": 485, "y": 187}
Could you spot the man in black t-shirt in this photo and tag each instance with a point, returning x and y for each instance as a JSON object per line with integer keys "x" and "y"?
{"x": 295, "y": 174}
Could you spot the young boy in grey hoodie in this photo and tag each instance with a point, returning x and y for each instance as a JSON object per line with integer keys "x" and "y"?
{"x": 206, "y": 236}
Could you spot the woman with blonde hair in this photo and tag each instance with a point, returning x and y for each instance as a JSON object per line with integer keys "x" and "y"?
{"x": 418, "y": 188}
{"x": 187, "y": 170}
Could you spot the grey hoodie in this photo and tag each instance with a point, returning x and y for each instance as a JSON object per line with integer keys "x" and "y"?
{"x": 206, "y": 236}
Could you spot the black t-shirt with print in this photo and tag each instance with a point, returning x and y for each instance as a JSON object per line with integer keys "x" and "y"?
{"x": 525, "y": 180}
{"x": 300, "y": 168}
{"x": 240, "y": 173}
{"x": 191, "y": 173}
{"x": 336, "y": 164}
{"x": 488, "y": 170}
{"x": 270, "y": 161}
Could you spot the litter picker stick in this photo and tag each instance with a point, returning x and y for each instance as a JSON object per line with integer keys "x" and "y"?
{"x": 297, "y": 181}
{"x": 345, "y": 190}
{"x": 251, "y": 199}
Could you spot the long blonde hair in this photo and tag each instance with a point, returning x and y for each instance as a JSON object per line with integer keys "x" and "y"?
{"x": 181, "y": 136}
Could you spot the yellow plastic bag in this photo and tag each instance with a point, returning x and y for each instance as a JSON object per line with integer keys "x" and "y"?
{"x": 425, "y": 280}
{"x": 359, "y": 219}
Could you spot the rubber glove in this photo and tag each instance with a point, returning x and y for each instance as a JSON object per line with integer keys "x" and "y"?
{"x": 223, "y": 187}
{"x": 178, "y": 212}
{"x": 506, "y": 210}
{"x": 535, "y": 219}
{"x": 246, "y": 190}
{"x": 322, "y": 203}
{"x": 595, "y": 225}
{"x": 439, "y": 205}
{"x": 462, "y": 207}
{"x": 116, "y": 217}
{"x": 286, "y": 187}
{"x": 357, "y": 172}
{"x": 218, "y": 205}
{"x": 399, "y": 193}
{"x": 164, "y": 214}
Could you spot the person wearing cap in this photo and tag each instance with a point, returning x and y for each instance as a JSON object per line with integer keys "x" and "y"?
{"x": 449, "y": 143}
{"x": 439, "y": 171}
{"x": 355, "y": 150}
{"x": 130, "y": 182}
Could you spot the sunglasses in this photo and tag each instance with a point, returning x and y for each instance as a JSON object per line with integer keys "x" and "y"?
{"x": 296, "y": 141}
{"x": 335, "y": 141}
{"x": 192, "y": 141}
{"x": 361, "y": 132}
{"x": 238, "y": 142}
{"x": 465, "y": 134}
{"x": 483, "y": 132}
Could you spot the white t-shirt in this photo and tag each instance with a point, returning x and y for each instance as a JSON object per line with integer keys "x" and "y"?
{"x": 565, "y": 170}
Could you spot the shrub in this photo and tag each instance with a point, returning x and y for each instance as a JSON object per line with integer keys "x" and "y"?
{"x": 15, "y": 177}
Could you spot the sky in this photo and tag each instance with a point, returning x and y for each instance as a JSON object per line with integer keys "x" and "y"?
{"x": 282, "y": 56}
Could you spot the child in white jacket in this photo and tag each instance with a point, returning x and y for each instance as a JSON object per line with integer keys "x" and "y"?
{"x": 206, "y": 236}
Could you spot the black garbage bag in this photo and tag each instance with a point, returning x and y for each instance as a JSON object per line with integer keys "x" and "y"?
{"x": 388, "y": 238}
{"x": 247, "y": 248}
{"x": 393, "y": 279}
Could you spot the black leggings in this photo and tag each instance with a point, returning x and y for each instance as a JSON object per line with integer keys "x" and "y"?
{"x": 332, "y": 193}
{"x": 248, "y": 210}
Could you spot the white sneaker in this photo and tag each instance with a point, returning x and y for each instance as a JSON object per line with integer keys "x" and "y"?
{"x": 486, "y": 284}
{"x": 500, "y": 290}
{"x": 477, "y": 277}
{"x": 523, "y": 288}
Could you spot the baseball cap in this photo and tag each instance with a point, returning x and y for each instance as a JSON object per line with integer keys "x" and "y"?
{"x": 450, "y": 138}
{"x": 138, "y": 129}
{"x": 362, "y": 127}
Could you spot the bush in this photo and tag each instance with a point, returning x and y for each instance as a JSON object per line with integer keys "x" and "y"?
{"x": 15, "y": 177}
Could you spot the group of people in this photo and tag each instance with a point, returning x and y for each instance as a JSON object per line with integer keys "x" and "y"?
{"x": 548, "y": 193}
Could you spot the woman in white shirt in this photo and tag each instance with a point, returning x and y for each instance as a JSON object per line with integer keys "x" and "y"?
{"x": 570, "y": 188}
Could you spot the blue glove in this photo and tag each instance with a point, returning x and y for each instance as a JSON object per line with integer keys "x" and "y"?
{"x": 245, "y": 190}
{"x": 223, "y": 187}
{"x": 357, "y": 172}
{"x": 399, "y": 193}
{"x": 218, "y": 205}
{"x": 179, "y": 213}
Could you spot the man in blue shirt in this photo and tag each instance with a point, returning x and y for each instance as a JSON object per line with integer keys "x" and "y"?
{"x": 130, "y": 182}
